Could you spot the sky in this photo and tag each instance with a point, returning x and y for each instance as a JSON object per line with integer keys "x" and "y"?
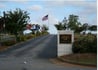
{"x": 56, "y": 9}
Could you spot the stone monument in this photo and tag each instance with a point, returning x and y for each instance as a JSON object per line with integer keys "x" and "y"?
{"x": 65, "y": 41}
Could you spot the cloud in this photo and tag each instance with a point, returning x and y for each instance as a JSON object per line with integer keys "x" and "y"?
{"x": 2, "y": 5}
{"x": 84, "y": 8}
{"x": 16, "y": 1}
{"x": 88, "y": 12}
{"x": 35, "y": 7}
{"x": 86, "y": 19}
{"x": 87, "y": 6}
{"x": 20, "y": 1}
{"x": 52, "y": 20}
{"x": 73, "y": 3}
{"x": 34, "y": 22}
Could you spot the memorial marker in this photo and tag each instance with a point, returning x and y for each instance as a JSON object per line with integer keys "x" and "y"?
{"x": 65, "y": 40}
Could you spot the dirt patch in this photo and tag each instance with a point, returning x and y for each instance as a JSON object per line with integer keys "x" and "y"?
{"x": 2, "y": 48}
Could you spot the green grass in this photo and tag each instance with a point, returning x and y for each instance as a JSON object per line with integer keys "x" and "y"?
{"x": 92, "y": 61}
{"x": 87, "y": 59}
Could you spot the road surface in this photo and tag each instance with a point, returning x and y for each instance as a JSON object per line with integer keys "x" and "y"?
{"x": 34, "y": 55}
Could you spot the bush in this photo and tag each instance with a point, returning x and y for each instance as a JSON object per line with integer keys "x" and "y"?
{"x": 85, "y": 44}
{"x": 29, "y": 36}
{"x": 38, "y": 33}
{"x": 8, "y": 43}
{"x": 26, "y": 37}
{"x": 23, "y": 38}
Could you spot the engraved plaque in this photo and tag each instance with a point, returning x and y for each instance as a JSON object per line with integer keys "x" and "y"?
{"x": 65, "y": 38}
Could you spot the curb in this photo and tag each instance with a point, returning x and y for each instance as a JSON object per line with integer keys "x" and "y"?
{"x": 76, "y": 63}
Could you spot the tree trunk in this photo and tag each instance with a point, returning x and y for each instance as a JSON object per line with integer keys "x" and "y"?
{"x": 17, "y": 38}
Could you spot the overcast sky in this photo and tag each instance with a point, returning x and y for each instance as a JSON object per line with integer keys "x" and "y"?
{"x": 57, "y": 10}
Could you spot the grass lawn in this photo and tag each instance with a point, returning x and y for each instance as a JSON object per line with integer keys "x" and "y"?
{"x": 84, "y": 59}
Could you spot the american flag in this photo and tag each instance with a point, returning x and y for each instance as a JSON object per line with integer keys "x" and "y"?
{"x": 45, "y": 18}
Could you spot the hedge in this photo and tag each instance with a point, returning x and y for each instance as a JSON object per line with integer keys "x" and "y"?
{"x": 85, "y": 44}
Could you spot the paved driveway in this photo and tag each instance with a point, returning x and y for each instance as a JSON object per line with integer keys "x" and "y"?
{"x": 34, "y": 55}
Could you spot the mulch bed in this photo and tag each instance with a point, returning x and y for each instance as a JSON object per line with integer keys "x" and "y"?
{"x": 88, "y": 59}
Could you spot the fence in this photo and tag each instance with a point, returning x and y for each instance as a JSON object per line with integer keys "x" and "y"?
{"x": 5, "y": 37}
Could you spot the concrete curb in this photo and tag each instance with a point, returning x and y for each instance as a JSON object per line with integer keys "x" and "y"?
{"x": 76, "y": 63}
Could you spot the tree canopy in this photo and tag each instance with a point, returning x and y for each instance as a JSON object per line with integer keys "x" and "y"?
{"x": 93, "y": 28}
{"x": 73, "y": 23}
{"x": 60, "y": 26}
{"x": 70, "y": 23}
{"x": 15, "y": 21}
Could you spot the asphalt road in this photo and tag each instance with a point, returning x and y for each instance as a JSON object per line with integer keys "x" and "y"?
{"x": 34, "y": 55}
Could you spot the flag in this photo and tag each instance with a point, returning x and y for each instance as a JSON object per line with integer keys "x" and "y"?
{"x": 45, "y": 18}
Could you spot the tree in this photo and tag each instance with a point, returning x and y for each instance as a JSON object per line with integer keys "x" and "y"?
{"x": 85, "y": 26}
{"x": 79, "y": 28}
{"x": 1, "y": 24}
{"x": 93, "y": 28}
{"x": 65, "y": 23}
{"x": 73, "y": 22}
{"x": 45, "y": 29}
{"x": 15, "y": 21}
{"x": 36, "y": 28}
{"x": 70, "y": 23}
{"x": 60, "y": 26}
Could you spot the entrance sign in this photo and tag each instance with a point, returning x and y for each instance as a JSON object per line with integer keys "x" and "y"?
{"x": 65, "y": 40}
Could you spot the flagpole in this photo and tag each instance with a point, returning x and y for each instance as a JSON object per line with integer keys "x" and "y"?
{"x": 48, "y": 20}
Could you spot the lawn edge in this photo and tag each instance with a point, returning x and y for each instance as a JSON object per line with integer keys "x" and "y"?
{"x": 76, "y": 63}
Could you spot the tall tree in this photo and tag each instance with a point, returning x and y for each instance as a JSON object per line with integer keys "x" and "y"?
{"x": 73, "y": 21}
{"x": 1, "y": 24}
{"x": 65, "y": 23}
{"x": 15, "y": 21}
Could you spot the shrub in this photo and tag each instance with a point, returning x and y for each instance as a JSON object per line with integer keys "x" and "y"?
{"x": 29, "y": 36}
{"x": 8, "y": 43}
{"x": 26, "y": 37}
{"x": 23, "y": 38}
{"x": 38, "y": 33}
{"x": 85, "y": 44}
